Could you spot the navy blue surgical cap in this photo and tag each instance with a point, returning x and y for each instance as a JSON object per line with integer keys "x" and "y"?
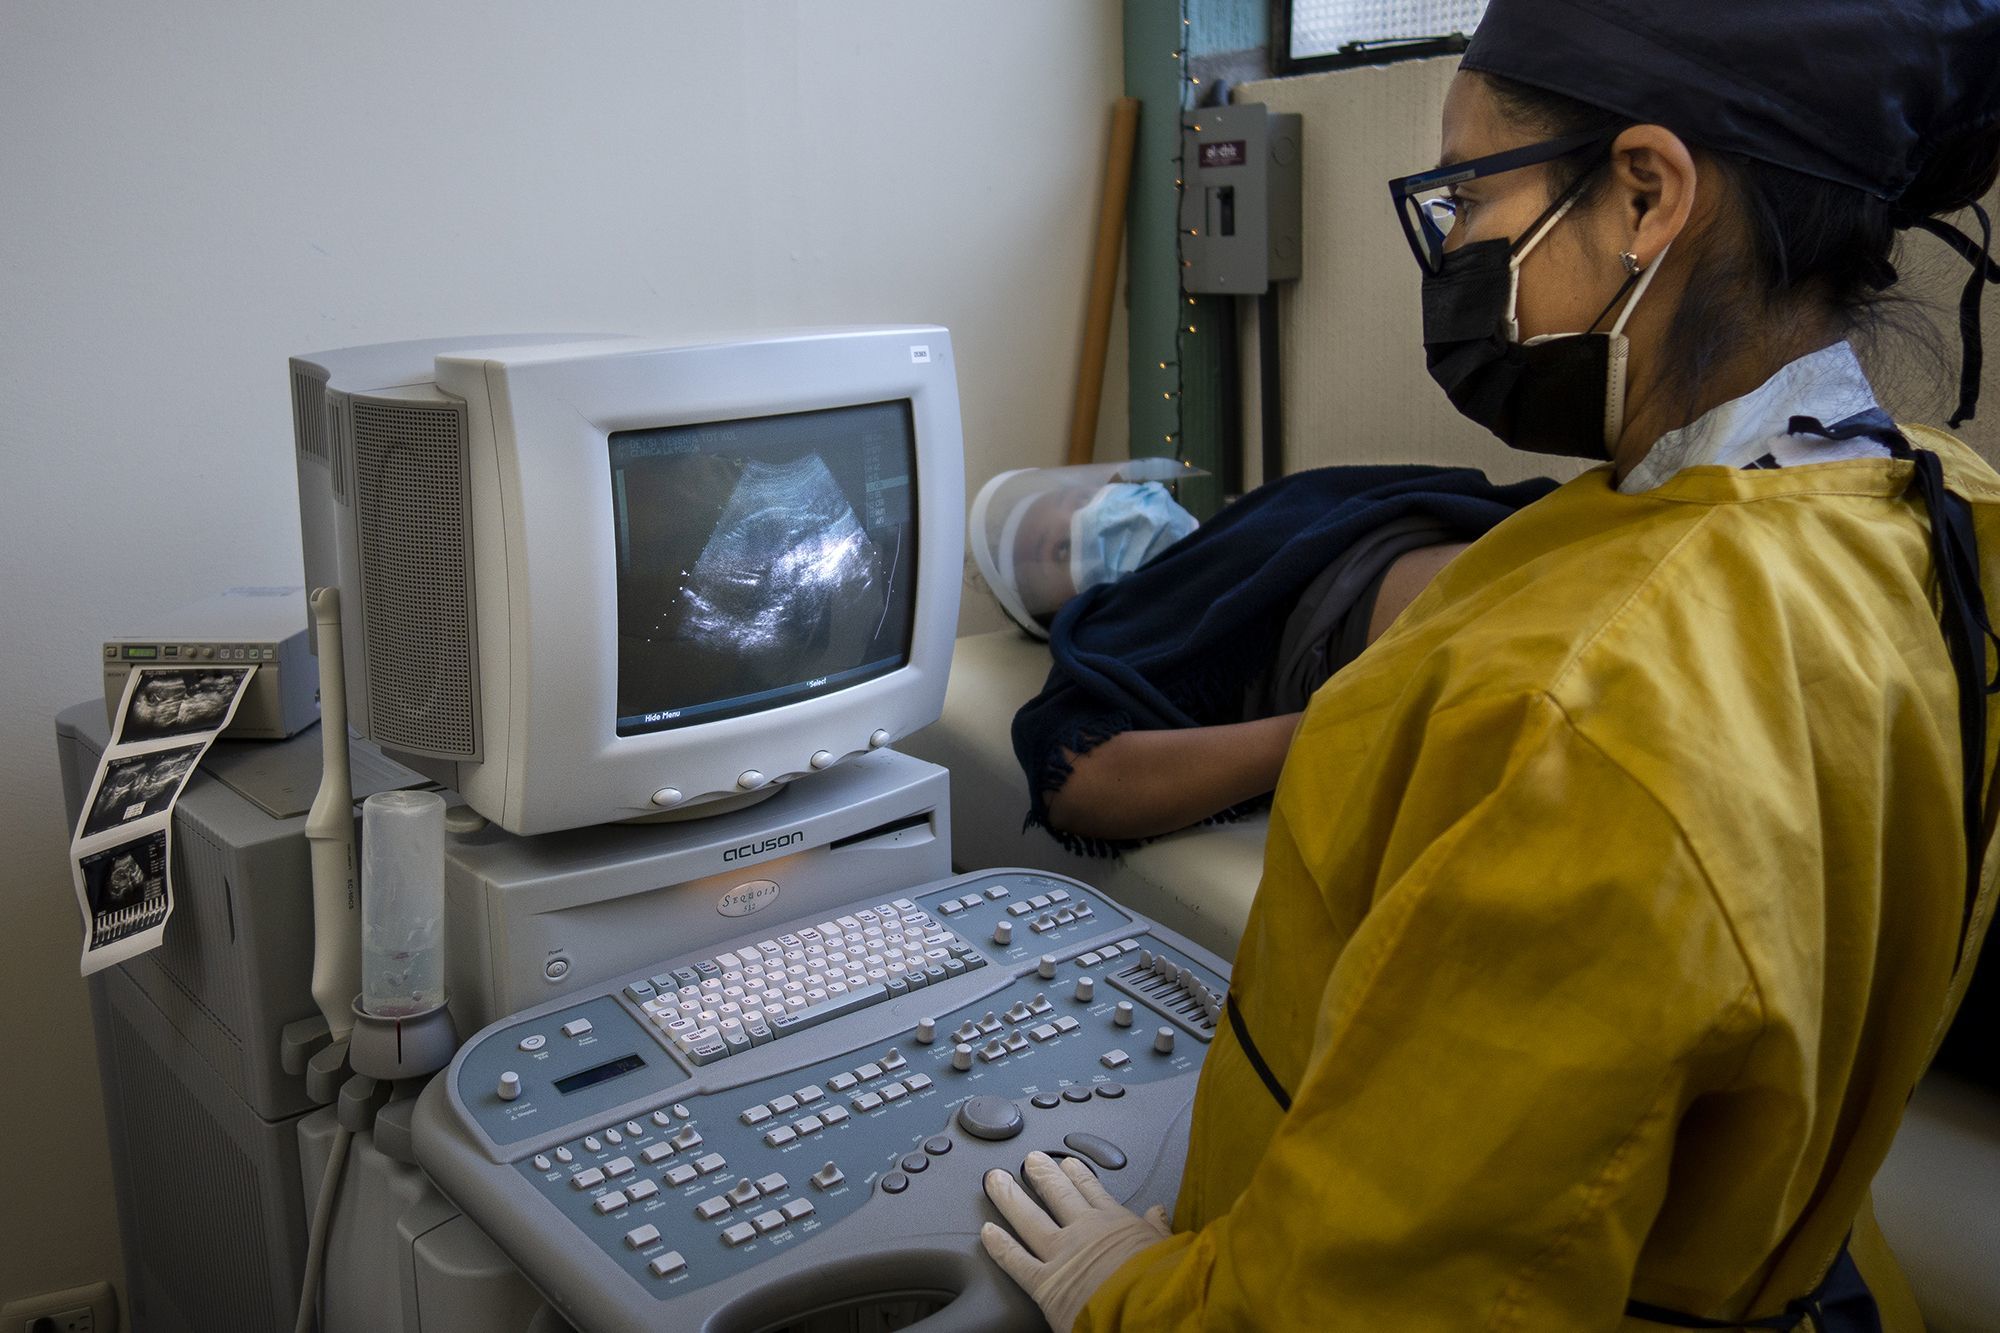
{"x": 1853, "y": 91}
{"x": 1859, "y": 92}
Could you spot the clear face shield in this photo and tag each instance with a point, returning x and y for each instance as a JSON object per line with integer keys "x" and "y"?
{"x": 1040, "y": 536}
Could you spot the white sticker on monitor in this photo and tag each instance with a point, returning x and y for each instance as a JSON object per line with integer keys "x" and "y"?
{"x": 920, "y": 354}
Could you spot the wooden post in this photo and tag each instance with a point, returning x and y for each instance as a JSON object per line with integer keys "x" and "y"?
{"x": 1103, "y": 279}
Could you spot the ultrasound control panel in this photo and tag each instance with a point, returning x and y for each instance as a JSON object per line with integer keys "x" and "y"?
{"x": 791, "y": 1132}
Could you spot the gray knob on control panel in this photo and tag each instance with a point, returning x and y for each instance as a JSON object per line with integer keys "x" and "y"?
{"x": 1122, "y": 1015}
{"x": 1086, "y": 989}
{"x": 1046, "y": 968}
{"x": 990, "y": 1118}
{"x": 926, "y": 1031}
{"x": 1003, "y": 932}
{"x": 961, "y": 1057}
{"x": 1163, "y": 1041}
{"x": 510, "y": 1086}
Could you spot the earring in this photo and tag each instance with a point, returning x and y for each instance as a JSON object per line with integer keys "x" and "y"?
{"x": 1631, "y": 263}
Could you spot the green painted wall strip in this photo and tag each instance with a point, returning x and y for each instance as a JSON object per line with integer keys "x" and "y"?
{"x": 1175, "y": 371}
{"x": 1173, "y": 376}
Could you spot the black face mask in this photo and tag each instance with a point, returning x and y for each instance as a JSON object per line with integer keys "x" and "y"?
{"x": 1562, "y": 394}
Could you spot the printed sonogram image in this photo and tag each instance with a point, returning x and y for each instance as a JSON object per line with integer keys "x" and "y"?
{"x": 126, "y": 887}
{"x": 139, "y": 785}
{"x": 178, "y": 701}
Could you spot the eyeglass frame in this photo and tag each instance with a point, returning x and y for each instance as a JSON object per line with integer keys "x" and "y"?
{"x": 1403, "y": 188}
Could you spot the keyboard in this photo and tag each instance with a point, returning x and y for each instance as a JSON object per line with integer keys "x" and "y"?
{"x": 744, "y": 997}
{"x": 790, "y": 1133}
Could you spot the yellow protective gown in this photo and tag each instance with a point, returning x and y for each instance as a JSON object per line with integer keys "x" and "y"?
{"x": 1609, "y": 915}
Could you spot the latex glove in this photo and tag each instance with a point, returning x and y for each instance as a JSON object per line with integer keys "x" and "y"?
{"x": 1067, "y": 1253}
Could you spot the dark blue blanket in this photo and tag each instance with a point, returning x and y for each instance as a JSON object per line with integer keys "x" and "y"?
{"x": 1177, "y": 642}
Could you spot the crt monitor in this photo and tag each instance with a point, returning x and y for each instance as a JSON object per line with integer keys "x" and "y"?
{"x": 598, "y": 579}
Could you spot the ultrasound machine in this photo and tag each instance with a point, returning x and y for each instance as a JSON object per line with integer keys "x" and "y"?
{"x": 732, "y": 1043}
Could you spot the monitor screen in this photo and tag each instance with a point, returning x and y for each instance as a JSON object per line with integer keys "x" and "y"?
{"x": 761, "y": 561}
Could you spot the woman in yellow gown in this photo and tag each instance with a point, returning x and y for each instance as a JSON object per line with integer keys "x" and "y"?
{"x": 1617, "y": 897}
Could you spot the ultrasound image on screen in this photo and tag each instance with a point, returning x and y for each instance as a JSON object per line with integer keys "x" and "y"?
{"x": 761, "y": 561}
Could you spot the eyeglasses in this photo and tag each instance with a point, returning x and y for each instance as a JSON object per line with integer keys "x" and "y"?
{"x": 1427, "y": 210}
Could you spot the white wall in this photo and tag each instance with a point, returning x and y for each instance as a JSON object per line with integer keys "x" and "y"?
{"x": 189, "y": 193}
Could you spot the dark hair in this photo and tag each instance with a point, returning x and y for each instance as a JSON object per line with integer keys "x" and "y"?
{"x": 1806, "y": 247}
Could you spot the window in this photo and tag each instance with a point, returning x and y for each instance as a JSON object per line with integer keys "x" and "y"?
{"x": 1325, "y": 34}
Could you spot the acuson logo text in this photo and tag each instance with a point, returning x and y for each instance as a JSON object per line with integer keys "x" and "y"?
{"x": 763, "y": 845}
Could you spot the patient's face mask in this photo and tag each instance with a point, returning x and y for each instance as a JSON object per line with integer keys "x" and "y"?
{"x": 1560, "y": 393}
{"x": 1122, "y": 527}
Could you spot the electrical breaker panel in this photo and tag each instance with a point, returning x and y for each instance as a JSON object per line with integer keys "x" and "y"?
{"x": 1240, "y": 213}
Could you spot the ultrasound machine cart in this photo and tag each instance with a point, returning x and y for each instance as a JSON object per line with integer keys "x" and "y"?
{"x": 738, "y": 1072}
{"x": 207, "y": 1121}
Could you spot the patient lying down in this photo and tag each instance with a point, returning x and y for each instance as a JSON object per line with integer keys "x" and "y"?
{"x": 1179, "y": 679}
{"x": 1141, "y": 784}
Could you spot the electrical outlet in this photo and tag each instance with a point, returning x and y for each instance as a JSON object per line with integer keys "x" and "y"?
{"x": 92, "y": 1309}
{"x": 79, "y": 1320}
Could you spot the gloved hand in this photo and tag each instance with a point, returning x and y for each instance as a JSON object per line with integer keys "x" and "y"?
{"x": 1070, "y": 1255}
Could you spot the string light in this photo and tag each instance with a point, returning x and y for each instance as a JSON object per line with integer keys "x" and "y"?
{"x": 1184, "y": 102}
